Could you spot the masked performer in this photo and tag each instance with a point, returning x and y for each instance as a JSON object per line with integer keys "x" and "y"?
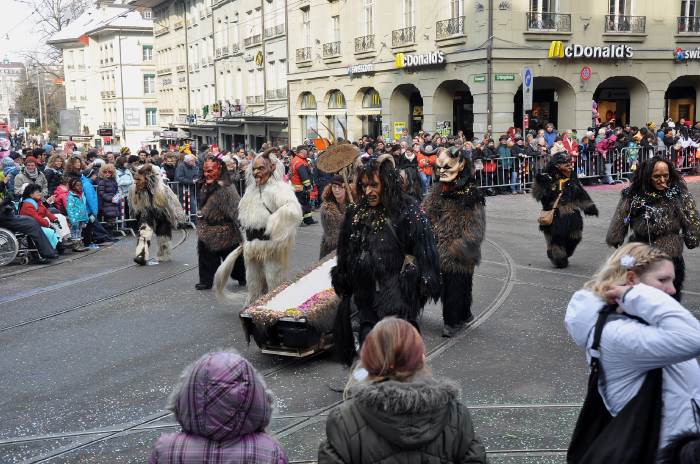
{"x": 387, "y": 260}
{"x": 156, "y": 209}
{"x": 659, "y": 210}
{"x": 562, "y": 196}
{"x": 269, "y": 215}
{"x": 217, "y": 223}
{"x": 455, "y": 207}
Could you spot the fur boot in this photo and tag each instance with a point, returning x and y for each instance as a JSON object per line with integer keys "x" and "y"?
{"x": 164, "y": 252}
{"x": 143, "y": 244}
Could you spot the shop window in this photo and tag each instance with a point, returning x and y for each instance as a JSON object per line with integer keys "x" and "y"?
{"x": 371, "y": 99}
{"x": 337, "y": 100}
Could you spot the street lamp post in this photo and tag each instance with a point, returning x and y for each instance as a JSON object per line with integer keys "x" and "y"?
{"x": 38, "y": 89}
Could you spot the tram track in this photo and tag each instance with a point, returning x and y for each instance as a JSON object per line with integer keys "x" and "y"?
{"x": 303, "y": 421}
{"x": 99, "y": 275}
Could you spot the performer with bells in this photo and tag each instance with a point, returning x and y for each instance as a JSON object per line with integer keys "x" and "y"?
{"x": 217, "y": 223}
{"x": 456, "y": 209}
{"x": 156, "y": 209}
{"x": 269, "y": 215}
{"x": 387, "y": 262}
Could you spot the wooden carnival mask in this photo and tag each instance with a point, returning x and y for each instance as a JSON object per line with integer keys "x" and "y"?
{"x": 448, "y": 167}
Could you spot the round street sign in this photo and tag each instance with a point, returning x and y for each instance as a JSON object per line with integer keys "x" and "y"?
{"x": 586, "y": 73}
{"x": 528, "y": 77}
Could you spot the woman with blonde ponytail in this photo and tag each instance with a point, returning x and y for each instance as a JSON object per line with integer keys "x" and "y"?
{"x": 641, "y": 345}
{"x": 395, "y": 411}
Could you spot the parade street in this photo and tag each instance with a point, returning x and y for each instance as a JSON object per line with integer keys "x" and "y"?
{"x": 93, "y": 347}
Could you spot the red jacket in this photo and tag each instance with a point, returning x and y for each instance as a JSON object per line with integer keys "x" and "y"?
{"x": 42, "y": 215}
{"x": 61, "y": 200}
{"x": 300, "y": 171}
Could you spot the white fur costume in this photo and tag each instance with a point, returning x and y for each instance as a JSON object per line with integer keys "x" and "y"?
{"x": 274, "y": 208}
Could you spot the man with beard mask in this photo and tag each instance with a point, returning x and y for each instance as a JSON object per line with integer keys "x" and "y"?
{"x": 217, "y": 223}
{"x": 560, "y": 191}
{"x": 455, "y": 206}
{"x": 387, "y": 261}
{"x": 269, "y": 215}
{"x": 156, "y": 209}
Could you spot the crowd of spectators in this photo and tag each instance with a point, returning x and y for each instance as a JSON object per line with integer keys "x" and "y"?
{"x": 502, "y": 165}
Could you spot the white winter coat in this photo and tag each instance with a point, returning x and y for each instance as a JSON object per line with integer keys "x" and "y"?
{"x": 630, "y": 349}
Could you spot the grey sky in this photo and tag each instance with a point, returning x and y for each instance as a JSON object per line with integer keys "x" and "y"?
{"x": 17, "y": 32}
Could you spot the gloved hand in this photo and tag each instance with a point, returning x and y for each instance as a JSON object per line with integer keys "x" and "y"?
{"x": 92, "y": 218}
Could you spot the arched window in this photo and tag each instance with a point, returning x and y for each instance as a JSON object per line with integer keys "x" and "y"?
{"x": 308, "y": 101}
{"x": 337, "y": 100}
{"x": 371, "y": 99}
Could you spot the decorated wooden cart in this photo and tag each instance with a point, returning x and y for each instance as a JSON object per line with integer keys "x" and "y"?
{"x": 295, "y": 319}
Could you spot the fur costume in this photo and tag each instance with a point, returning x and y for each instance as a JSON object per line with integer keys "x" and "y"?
{"x": 664, "y": 220}
{"x": 143, "y": 244}
{"x": 156, "y": 206}
{"x": 268, "y": 215}
{"x": 217, "y": 228}
{"x": 456, "y": 210}
{"x": 387, "y": 261}
{"x": 331, "y": 219}
{"x": 565, "y": 232}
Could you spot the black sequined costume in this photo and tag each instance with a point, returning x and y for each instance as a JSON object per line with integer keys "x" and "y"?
{"x": 565, "y": 232}
{"x": 389, "y": 266}
{"x": 664, "y": 220}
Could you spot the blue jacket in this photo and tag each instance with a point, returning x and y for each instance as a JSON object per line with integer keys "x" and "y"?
{"x": 550, "y": 137}
{"x": 75, "y": 208}
{"x": 90, "y": 195}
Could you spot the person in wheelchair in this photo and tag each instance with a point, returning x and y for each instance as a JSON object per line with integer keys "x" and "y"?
{"x": 32, "y": 206}
{"x": 10, "y": 220}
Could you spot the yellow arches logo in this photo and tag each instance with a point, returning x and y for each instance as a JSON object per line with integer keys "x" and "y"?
{"x": 556, "y": 49}
{"x": 399, "y": 60}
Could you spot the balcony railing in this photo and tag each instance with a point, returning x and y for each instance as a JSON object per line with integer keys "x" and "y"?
{"x": 331, "y": 49}
{"x": 364, "y": 44}
{"x": 259, "y": 100}
{"x": 180, "y": 67}
{"x": 250, "y": 100}
{"x": 224, "y": 51}
{"x": 178, "y": 24}
{"x": 274, "y": 31}
{"x": 255, "y": 99}
{"x": 160, "y": 31}
{"x": 689, "y": 25}
{"x": 449, "y": 28}
{"x": 252, "y": 40}
{"x": 405, "y": 36}
{"x": 303, "y": 54}
{"x": 165, "y": 71}
{"x": 276, "y": 94}
{"x": 548, "y": 22}
{"x": 629, "y": 24}
{"x": 235, "y": 49}
{"x": 218, "y": 52}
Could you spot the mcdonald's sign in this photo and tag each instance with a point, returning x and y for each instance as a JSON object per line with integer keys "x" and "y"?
{"x": 556, "y": 49}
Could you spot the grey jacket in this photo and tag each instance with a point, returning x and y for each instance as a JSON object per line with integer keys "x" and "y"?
{"x": 22, "y": 178}
{"x": 401, "y": 422}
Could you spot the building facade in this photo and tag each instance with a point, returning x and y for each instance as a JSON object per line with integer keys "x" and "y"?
{"x": 371, "y": 67}
{"x": 11, "y": 76}
{"x": 110, "y": 75}
{"x": 222, "y": 69}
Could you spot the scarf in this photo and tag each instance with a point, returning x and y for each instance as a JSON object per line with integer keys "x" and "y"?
{"x": 31, "y": 174}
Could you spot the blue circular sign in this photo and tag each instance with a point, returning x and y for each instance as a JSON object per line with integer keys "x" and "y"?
{"x": 528, "y": 77}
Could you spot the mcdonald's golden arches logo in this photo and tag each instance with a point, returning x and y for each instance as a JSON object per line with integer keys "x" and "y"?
{"x": 556, "y": 49}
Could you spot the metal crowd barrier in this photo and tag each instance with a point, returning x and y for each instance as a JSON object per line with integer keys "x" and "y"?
{"x": 518, "y": 173}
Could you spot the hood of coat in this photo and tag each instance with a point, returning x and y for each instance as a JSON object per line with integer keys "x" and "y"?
{"x": 407, "y": 414}
{"x": 222, "y": 398}
{"x": 581, "y": 315}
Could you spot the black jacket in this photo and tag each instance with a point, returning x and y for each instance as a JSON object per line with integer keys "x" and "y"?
{"x": 401, "y": 422}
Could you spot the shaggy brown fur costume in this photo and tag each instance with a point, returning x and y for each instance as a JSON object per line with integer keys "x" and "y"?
{"x": 332, "y": 216}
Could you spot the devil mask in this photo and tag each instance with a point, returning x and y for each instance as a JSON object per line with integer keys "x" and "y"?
{"x": 212, "y": 171}
{"x": 449, "y": 168}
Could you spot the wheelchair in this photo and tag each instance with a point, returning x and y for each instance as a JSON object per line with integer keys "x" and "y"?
{"x": 16, "y": 246}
